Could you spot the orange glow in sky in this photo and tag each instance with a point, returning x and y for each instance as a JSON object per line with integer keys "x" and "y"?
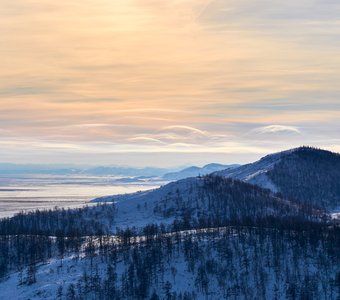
{"x": 153, "y": 82}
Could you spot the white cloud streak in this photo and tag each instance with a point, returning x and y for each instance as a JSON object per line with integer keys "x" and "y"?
{"x": 185, "y": 128}
{"x": 273, "y": 129}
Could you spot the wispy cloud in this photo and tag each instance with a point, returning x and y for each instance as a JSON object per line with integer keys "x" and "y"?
{"x": 146, "y": 139}
{"x": 276, "y": 129}
{"x": 154, "y": 75}
{"x": 185, "y": 128}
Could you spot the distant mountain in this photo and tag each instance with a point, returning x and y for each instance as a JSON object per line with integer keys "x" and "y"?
{"x": 10, "y": 169}
{"x": 197, "y": 171}
{"x": 306, "y": 174}
{"x": 166, "y": 174}
{"x": 125, "y": 171}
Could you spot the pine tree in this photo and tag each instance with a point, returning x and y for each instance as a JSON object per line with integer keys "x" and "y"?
{"x": 60, "y": 292}
{"x": 71, "y": 292}
{"x": 154, "y": 296}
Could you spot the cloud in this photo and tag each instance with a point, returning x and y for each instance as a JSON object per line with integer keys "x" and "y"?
{"x": 206, "y": 72}
{"x": 185, "y": 128}
{"x": 276, "y": 129}
{"x": 146, "y": 139}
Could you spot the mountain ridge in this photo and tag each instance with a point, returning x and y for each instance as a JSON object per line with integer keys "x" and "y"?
{"x": 305, "y": 173}
{"x": 194, "y": 171}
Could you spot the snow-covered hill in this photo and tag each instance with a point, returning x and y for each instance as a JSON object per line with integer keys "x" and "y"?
{"x": 256, "y": 173}
{"x": 227, "y": 263}
{"x": 202, "y": 200}
{"x": 210, "y": 237}
{"x": 306, "y": 174}
{"x": 198, "y": 199}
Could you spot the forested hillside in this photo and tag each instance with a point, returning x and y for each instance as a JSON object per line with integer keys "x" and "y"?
{"x": 309, "y": 175}
{"x": 61, "y": 222}
{"x": 306, "y": 174}
{"x": 222, "y": 263}
{"x": 195, "y": 202}
{"x": 210, "y": 237}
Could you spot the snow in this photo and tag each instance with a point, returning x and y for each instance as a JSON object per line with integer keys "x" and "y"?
{"x": 335, "y": 214}
{"x": 49, "y": 276}
{"x": 239, "y": 268}
{"x": 137, "y": 209}
{"x": 255, "y": 173}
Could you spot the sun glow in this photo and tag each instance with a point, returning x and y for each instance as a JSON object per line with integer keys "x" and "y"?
{"x": 147, "y": 73}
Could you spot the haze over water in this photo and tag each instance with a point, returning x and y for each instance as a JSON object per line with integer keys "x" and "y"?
{"x": 47, "y": 192}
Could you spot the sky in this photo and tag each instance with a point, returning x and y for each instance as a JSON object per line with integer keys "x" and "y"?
{"x": 167, "y": 83}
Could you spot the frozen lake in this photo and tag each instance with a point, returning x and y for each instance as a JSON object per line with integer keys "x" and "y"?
{"x": 44, "y": 192}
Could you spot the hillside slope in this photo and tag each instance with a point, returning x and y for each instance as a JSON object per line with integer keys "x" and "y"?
{"x": 203, "y": 199}
{"x": 226, "y": 263}
{"x": 306, "y": 174}
{"x": 189, "y": 203}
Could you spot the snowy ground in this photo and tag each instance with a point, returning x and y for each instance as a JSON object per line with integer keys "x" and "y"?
{"x": 49, "y": 276}
{"x": 238, "y": 267}
{"x": 336, "y": 214}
